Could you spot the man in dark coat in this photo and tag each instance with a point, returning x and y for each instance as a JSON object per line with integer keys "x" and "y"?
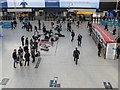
{"x": 99, "y": 49}
{"x": 27, "y": 58}
{"x": 33, "y": 54}
{"x": 12, "y": 26}
{"x": 25, "y": 48}
{"x": 14, "y": 56}
{"x": 106, "y": 26}
{"x": 26, "y": 41}
{"x": 118, "y": 52}
{"x": 72, "y": 34}
{"x": 36, "y": 45}
{"x": 39, "y": 24}
{"x": 79, "y": 40}
{"x": 76, "y": 54}
{"x": 22, "y": 40}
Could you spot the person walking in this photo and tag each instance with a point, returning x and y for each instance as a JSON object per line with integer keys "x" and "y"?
{"x": 14, "y": 56}
{"x": 76, "y": 54}
{"x": 12, "y": 26}
{"x": 99, "y": 49}
{"x": 26, "y": 48}
{"x": 21, "y": 52}
{"x": 27, "y": 58}
{"x": 78, "y": 23}
{"x": 118, "y": 52}
{"x": 114, "y": 31}
{"x": 30, "y": 26}
{"x": 72, "y": 34}
{"x": 35, "y": 30}
{"x": 79, "y": 40}
{"x": 106, "y": 26}
{"x": 36, "y": 45}
{"x": 31, "y": 42}
{"x": 33, "y": 54}
{"x": 44, "y": 29}
{"x": 52, "y": 24}
{"x": 26, "y": 41}
{"x": 22, "y": 40}
{"x": 39, "y": 24}
{"x": 90, "y": 30}
{"x": 88, "y": 24}
{"x": 15, "y": 23}
{"x": 69, "y": 26}
{"x": 20, "y": 58}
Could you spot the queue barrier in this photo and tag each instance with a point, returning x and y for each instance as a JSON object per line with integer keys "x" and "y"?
{"x": 108, "y": 42}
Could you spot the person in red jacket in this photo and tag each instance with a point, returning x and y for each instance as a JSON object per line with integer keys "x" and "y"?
{"x": 52, "y": 24}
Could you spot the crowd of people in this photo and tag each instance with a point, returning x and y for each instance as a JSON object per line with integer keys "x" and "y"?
{"x": 23, "y": 51}
{"x": 30, "y": 46}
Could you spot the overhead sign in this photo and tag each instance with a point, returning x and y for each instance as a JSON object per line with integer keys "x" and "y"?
{"x": 41, "y": 11}
{"x": 53, "y": 3}
{"x": 84, "y": 12}
{"x": 19, "y": 10}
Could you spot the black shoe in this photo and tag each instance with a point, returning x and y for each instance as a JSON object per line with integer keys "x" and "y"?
{"x": 14, "y": 67}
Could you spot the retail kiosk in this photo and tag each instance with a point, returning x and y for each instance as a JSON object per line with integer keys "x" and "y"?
{"x": 108, "y": 42}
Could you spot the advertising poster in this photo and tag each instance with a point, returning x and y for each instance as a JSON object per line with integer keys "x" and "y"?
{"x": 111, "y": 49}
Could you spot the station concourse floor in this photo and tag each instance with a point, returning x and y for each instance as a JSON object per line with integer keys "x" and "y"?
{"x": 90, "y": 72}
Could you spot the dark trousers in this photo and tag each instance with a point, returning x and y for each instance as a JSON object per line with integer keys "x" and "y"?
{"x": 90, "y": 33}
{"x": 72, "y": 39}
{"x": 79, "y": 42}
{"x": 36, "y": 48}
{"x": 22, "y": 43}
{"x": 117, "y": 56}
{"x": 27, "y": 61}
{"x": 12, "y": 27}
{"x": 15, "y": 25}
{"x": 15, "y": 61}
{"x": 39, "y": 27}
{"x": 20, "y": 63}
{"x": 76, "y": 60}
{"x": 99, "y": 52}
{"x": 33, "y": 58}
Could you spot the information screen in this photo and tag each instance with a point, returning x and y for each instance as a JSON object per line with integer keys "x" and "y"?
{"x": 26, "y": 3}
{"x": 54, "y": 3}
{"x": 80, "y": 3}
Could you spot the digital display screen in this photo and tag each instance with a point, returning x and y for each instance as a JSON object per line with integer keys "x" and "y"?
{"x": 54, "y": 3}
{"x": 80, "y": 3}
{"x": 26, "y": 3}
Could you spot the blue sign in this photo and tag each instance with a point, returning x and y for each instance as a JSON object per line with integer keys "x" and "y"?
{"x": 0, "y": 35}
{"x": 6, "y": 25}
{"x": 52, "y": 3}
{"x": 3, "y": 3}
{"x": 23, "y": 3}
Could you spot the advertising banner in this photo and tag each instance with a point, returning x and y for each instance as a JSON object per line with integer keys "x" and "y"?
{"x": 110, "y": 52}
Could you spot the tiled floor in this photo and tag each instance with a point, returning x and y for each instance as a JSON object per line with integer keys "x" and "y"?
{"x": 90, "y": 72}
